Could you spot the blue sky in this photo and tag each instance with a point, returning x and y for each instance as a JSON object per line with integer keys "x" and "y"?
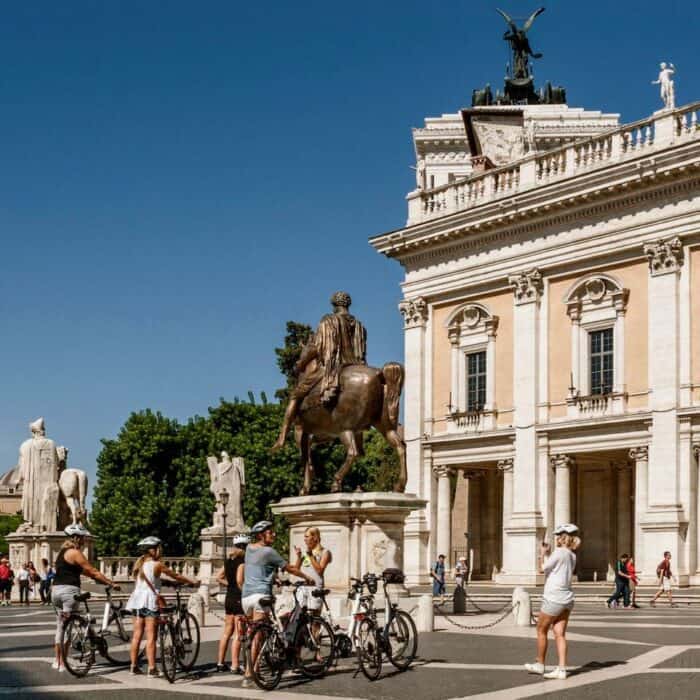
{"x": 178, "y": 179}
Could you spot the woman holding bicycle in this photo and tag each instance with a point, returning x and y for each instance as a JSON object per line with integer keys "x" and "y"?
{"x": 231, "y": 575}
{"x": 70, "y": 565}
{"x": 312, "y": 563}
{"x": 145, "y": 601}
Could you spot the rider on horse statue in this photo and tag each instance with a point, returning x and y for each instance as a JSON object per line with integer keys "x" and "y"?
{"x": 340, "y": 340}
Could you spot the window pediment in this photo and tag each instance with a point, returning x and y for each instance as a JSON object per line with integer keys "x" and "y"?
{"x": 470, "y": 320}
{"x": 595, "y": 292}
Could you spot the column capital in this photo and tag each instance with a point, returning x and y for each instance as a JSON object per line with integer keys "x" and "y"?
{"x": 453, "y": 333}
{"x": 505, "y": 465}
{"x": 664, "y": 256}
{"x": 527, "y": 286}
{"x": 696, "y": 451}
{"x": 562, "y": 461}
{"x": 442, "y": 471}
{"x": 414, "y": 312}
{"x": 639, "y": 454}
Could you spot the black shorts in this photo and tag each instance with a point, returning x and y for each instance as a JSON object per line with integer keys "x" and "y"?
{"x": 233, "y": 604}
{"x": 5, "y": 586}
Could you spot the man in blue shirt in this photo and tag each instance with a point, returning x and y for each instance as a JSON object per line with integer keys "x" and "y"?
{"x": 438, "y": 575}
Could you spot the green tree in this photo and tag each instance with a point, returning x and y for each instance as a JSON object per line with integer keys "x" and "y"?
{"x": 296, "y": 337}
{"x": 8, "y": 524}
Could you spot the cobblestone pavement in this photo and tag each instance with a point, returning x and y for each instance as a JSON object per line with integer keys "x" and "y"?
{"x": 644, "y": 654}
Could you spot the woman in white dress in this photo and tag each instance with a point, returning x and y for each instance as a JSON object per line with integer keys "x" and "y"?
{"x": 144, "y": 601}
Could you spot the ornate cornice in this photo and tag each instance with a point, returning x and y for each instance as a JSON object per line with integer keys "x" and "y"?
{"x": 639, "y": 454}
{"x": 527, "y": 286}
{"x": 664, "y": 256}
{"x": 414, "y": 312}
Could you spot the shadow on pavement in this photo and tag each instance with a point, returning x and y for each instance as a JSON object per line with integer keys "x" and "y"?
{"x": 595, "y": 666}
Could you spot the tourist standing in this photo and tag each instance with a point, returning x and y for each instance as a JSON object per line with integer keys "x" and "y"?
{"x": 664, "y": 574}
{"x": 438, "y": 575}
{"x": 46, "y": 574}
{"x": 70, "y": 565}
{"x": 312, "y": 562}
{"x": 145, "y": 601}
{"x": 633, "y": 581}
{"x": 6, "y": 577}
{"x": 23, "y": 576}
{"x": 34, "y": 580}
{"x": 622, "y": 583}
{"x": 231, "y": 575}
{"x": 461, "y": 572}
{"x": 557, "y": 600}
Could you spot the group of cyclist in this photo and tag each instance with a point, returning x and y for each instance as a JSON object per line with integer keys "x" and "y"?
{"x": 248, "y": 573}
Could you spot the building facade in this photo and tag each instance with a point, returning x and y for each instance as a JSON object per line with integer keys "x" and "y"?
{"x": 552, "y": 339}
{"x": 10, "y": 492}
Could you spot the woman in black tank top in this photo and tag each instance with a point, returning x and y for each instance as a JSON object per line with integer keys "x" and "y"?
{"x": 231, "y": 575}
{"x": 66, "y": 574}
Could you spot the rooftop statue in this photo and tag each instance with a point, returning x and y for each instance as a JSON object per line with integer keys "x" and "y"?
{"x": 338, "y": 396}
{"x": 667, "y": 85}
{"x": 520, "y": 44}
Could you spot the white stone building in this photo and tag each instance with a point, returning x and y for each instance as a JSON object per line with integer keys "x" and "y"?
{"x": 552, "y": 338}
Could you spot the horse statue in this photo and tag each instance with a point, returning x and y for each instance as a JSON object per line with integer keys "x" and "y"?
{"x": 368, "y": 398}
{"x": 73, "y": 486}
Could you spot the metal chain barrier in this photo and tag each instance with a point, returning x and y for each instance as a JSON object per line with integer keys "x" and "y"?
{"x": 510, "y": 607}
{"x": 483, "y": 610}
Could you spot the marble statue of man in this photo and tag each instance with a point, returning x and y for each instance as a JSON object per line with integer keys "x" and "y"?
{"x": 667, "y": 85}
{"x": 38, "y": 465}
{"x": 228, "y": 474}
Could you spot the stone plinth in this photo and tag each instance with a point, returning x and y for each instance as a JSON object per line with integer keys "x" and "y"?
{"x": 364, "y": 531}
{"x": 35, "y": 546}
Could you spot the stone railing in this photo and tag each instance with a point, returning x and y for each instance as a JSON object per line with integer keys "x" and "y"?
{"x": 596, "y": 405}
{"x": 471, "y": 421}
{"x": 624, "y": 142}
{"x": 120, "y": 568}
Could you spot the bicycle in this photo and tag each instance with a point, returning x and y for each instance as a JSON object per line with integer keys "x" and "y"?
{"x": 81, "y": 643}
{"x": 304, "y": 642}
{"x": 178, "y": 635}
{"x": 398, "y": 638}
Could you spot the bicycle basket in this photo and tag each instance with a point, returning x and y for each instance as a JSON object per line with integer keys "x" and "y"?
{"x": 371, "y": 583}
{"x": 393, "y": 576}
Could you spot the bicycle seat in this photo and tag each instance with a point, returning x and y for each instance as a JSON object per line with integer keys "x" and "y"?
{"x": 82, "y": 597}
{"x": 320, "y": 593}
{"x": 266, "y": 601}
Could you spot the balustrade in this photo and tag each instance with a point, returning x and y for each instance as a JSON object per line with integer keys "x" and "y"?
{"x": 121, "y": 568}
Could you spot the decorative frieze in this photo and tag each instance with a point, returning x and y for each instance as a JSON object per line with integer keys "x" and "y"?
{"x": 527, "y": 286}
{"x": 414, "y": 312}
{"x": 664, "y": 256}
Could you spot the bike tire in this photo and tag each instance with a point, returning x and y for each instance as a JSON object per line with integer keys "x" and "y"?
{"x": 188, "y": 642}
{"x": 310, "y": 646}
{"x": 168, "y": 650}
{"x": 269, "y": 662}
{"x": 402, "y": 642}
{"x": 369, "y": 649}
{"x": 79, "y": 651}
{"x": 117, "y": 639}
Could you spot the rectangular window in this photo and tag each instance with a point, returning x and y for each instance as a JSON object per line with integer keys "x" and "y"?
{"x": 601, "y": 361}
{"x": 476, "y": 380}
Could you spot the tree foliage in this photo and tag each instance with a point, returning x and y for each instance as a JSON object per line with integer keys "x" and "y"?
{"x": 8, "y": 524}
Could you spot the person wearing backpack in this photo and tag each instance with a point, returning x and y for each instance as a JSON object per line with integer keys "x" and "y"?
{"x": 664, "y": 574}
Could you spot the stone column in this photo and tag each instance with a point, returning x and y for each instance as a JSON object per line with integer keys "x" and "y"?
{"x": 444, "y": 512}
{"x": 624, "y": 504}
{"x": 417, "y": 527}
{"x": 562, "y": 465}
{"x": 522, "y": 537}
{"x": 640, "y": 456}
{"x": 696, "y": 454}
{"x": 475, "y": 509}
{"x": 505, "y": 466}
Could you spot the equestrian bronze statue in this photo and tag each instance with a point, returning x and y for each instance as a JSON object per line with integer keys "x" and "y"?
{"x": 338, "y": 396}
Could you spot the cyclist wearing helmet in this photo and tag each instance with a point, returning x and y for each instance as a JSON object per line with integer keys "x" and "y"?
{"x": 261, "y": 564}
{"x": 231, "y": 575}
{"x": 144, "y": 603}
{"x": 70, "y": 565}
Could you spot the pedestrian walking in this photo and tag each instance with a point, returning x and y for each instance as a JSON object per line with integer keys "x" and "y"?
{"x": 634, "y": 581}
{"x": 437, "y": 573}
{"x": 145, "y": 601}
{"x": 622, "y": 583}
{"x": 557, "y": 600}
{"x": 34, "y": 580}
{"x": 6, "y": 578}
{"x": 664, "y": 574}
{"x": 23, "y": 576}
{"x": 231, "y": 576}
{"x": 461, "y": 572}
{"x": 46, "y": 575}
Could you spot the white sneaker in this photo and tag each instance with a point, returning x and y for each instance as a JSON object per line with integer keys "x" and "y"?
{"x": 61, "y": 669}
{"x": 537, "y": 668}
{"x": 556, "y": 674}
{"x": 54, "y": 665}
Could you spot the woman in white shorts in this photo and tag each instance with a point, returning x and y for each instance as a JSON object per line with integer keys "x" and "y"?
{"x": 557, "y": 599}
{"x": 312, "y": 562}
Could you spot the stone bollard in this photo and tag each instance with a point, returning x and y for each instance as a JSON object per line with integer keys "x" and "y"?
{"x": 425, "y": 619}
{"x": 195, "y": 605}
{"x": 522, "y": 607}
{"x": 459, "y": 600}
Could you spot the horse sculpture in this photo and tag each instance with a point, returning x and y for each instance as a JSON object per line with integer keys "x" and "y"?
{"x": 368, "y": 397}
{"x": 73, "y": 486}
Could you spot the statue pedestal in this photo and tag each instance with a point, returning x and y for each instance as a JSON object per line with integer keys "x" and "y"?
{"x": 34, "y": 546}
{"x": 212, "y": 557}
{"x": 364, "y": 531}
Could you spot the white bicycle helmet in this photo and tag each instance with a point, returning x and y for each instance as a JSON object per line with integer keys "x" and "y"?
{"x": 149, "y": 542}
{"x": 241, "y": 540}
{"x": 77, "y": 530}
{"x": 260, "y": 527}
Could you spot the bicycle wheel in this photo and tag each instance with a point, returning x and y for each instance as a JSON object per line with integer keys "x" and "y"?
{"x": 402, "y": 640}
{"x": 117, "y": 638}
{"x": 78, "y": 649}
{"x": 188, "y": 641}
{"x": 315, "y": 647}
{"x": 265, "y": 656}
{"x": 369, "y": 650}
{"x": 168, "y": 650}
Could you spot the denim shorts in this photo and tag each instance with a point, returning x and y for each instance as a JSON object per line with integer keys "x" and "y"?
{"x": 144, "y": 612}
